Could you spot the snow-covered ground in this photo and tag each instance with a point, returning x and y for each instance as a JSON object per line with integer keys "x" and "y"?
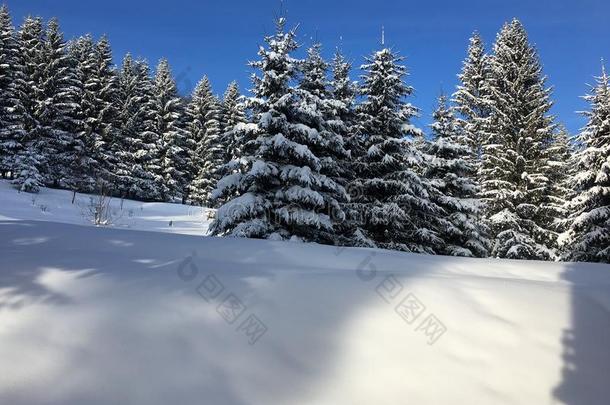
{"x": 56, "y": 206}
{"x": 110, "y": 316}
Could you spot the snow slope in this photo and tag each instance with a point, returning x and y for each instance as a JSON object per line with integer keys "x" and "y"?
{"x": 56, "y": 205}
{"x": 104, "y": 315}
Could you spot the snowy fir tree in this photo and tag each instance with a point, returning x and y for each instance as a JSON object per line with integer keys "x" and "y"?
{"x": 342, "y": 101}
{"x": 559, "y": 171}
{"x": 29, "y": 159}
{"x": 277, "y": 188}
{"x": 231, "y": 114}
{"x": 450, "y": 173}
{"x": 11, "y": 121}
{"x": 512, "y": 173}
{"x": 393, "y": 202}
{"x": 316, "y": 108}
{"x": 98, "y": 106}
{"x": 129, "y": 126}
{"x": 471, "y": 97}
{"x": 203, "y": 114}
{"x": 588, "y": 236}
{"x": 80, "y": 51}
{"x": 150, "y": 179}
{"x": 343, "y": 93}
{"x": 168, "y": 110}
{"x": 134, "y": 149}
{"x": 60, "y": 117}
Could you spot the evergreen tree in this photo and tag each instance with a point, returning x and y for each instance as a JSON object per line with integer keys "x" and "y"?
{"x": 149, "y": 181}
{"x": 558, "y": 170}
{"x": 472, "y": 97}
{"x": 105, "y": 80}
{"x": 80, "y": 51}
{"x": 134, "y": 126}
{"x": 343, "y": 93}
{"x": 11, "y": 128}
{"x": 61, "y": 124}
{"x": 232, "y": 114}
{"x": 277, "y": 189}
{"x": 393, "y": 201}
{"x": 316, "y": 108}
{"x": 209, "y": 154}
{"x": 98, "y": 109}
{"x": 128, "y": 125}
{"x": 588, "y": 236}
{"x": 168, "y": 121}
{"x": 513, "y": 178}
{"x": 30, "y": 159}
{"x": 450, "y": 173}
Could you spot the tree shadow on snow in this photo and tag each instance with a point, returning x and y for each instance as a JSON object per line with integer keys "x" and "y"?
{"x": 586, "y": 344}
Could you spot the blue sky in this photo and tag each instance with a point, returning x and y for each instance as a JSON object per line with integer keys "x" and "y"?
{"x": 217, "y": 38}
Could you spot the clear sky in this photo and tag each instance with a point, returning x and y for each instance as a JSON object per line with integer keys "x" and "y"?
{"x": 217, "y": 38}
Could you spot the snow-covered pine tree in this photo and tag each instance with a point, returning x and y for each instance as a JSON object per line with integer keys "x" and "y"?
{"x": 149, "y": 178}
{"x": 512, "y": 171}
{"x": 559, "y": 170}
{"x": 106, "y": 83}
{"x": 393, "y": 201}
{"x": 343, "y": 92}
{"x": 127, "y": 124}
{"x": 98, "y": 106}
{"x": 450, "y": 173}
{"x": 134, "y": 125}
{"x": 80, "y": 50}
{"x": 471, "y": 97}
{"x": 168, "y": 110}
{"x": 232, "y": 113}
{"x": 11, "y": 128}
{"x": 317, "y": 109}
{"x": 30, "y": 159}
{"x": 203, "y": 114}
{"x": 588, "y": 236}
{"x": 276, "y": 189}
{"x": 59, "y": 116}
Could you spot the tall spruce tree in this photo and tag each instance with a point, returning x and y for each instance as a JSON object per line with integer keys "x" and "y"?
{"x": 169, "y": 126}
{"x": 134, "y": 125}
{"x": 60, "y": 114}
{"x": 393, "y": 201}
{"x": 30, "y": 157}
{"x": 317, "y": 109}
{"x": 98, "y": 109}
{"x": 451, "y": 173}
{"x": 231, "y": 114}
{"x": 588, "y": 236}
{"x": 277, "y": 189}
{"x": 80, "y": 50}
{"x": 559, "y": 170}
{"x": 209, "y": 154}
{"x": 11, "y": 127}
{"x": 148, "y": 158}
{"x": 471, "y": 97}
{"x": 512, "y": 172}
{"x": 343, "y": 93}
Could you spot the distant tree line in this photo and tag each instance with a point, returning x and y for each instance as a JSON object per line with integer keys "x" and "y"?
{"x": 312, "y": 155}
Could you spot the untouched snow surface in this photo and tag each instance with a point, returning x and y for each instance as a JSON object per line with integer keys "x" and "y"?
{"x": 56, "y": 206}
{"x": 110, "y": 316}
